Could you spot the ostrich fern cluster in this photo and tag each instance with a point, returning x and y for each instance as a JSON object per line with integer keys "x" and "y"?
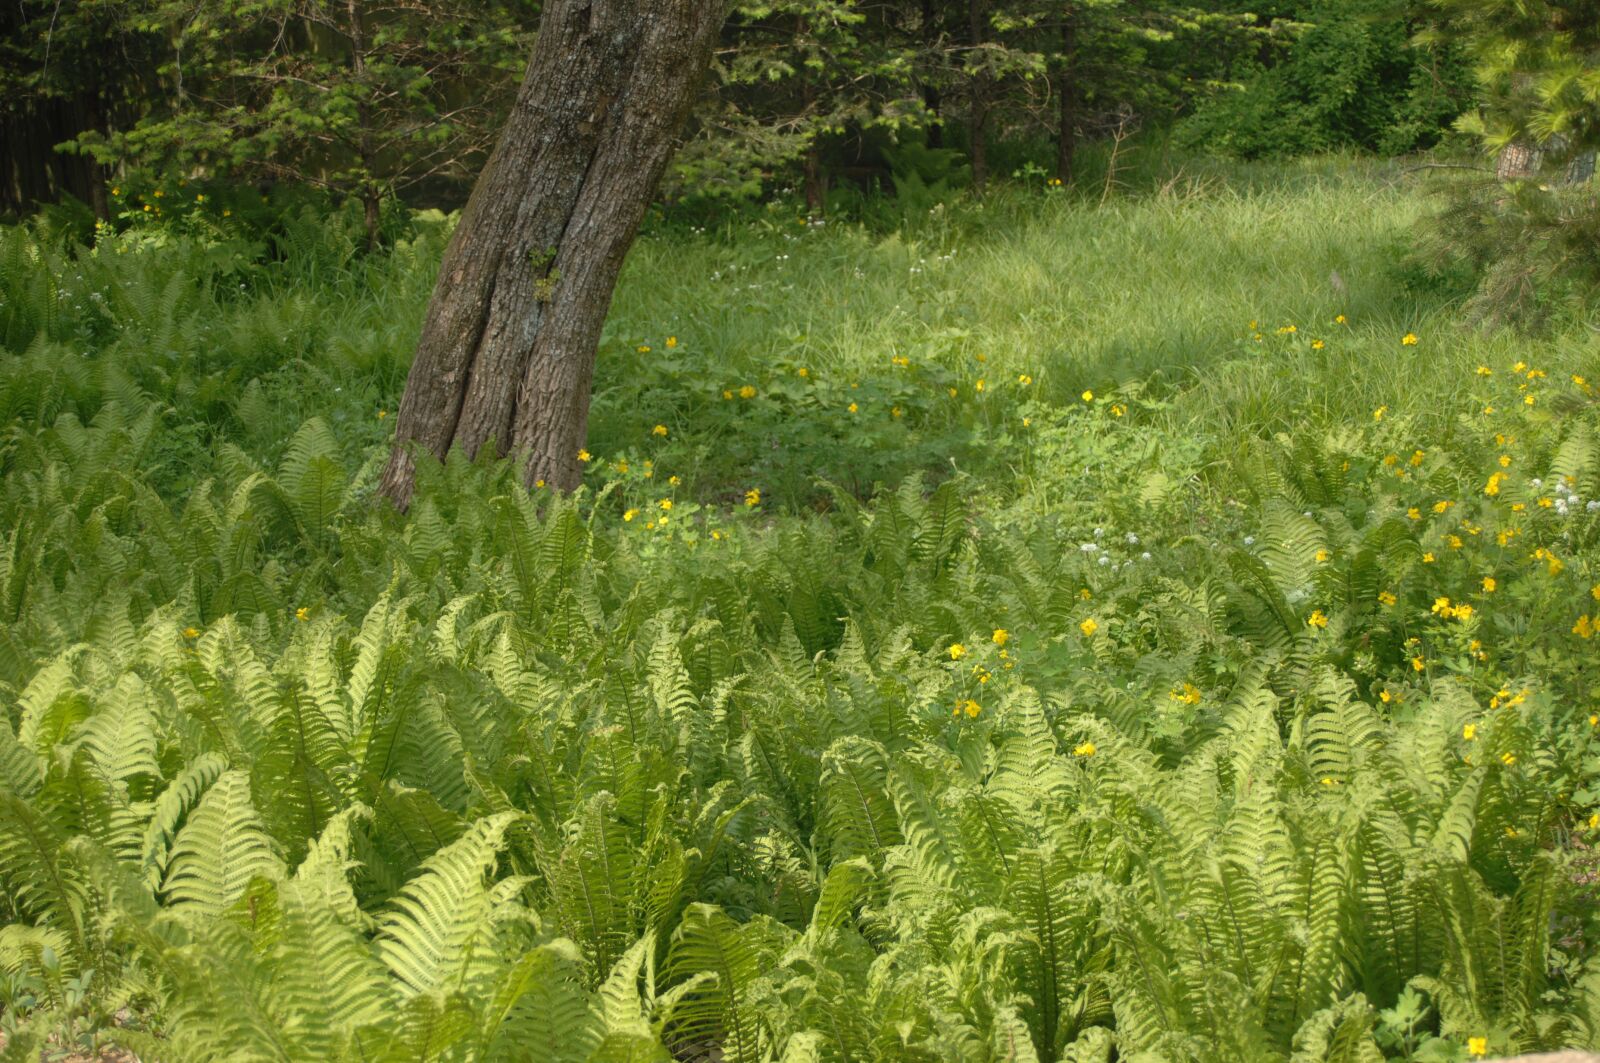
{"x": 930, "y": 776}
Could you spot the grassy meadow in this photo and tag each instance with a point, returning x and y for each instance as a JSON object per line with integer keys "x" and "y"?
{"x": 1154, "y": 626}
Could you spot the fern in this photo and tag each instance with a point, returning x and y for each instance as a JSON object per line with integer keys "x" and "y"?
{"x": 436, "y": 936}
{"x": 222, "y": 847}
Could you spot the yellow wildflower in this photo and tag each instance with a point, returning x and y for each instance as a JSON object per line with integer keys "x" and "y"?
{"x": 1001, "y": 636}
{"x": 1317, "y": 345}
{"x": 1584, "y": 628}
{"x": 1508, "y": 759}
{"x": 970, "y": 707}
{"x": 1489, "y": 585}
{"x": 1322, "y": 555}
{"x": 665, "y": 503}
{"x": 1469, "y": 731}
{"x": 957, "y": 651}
{"x": 752, "y": 497}
{"x": 1414, "y": 513}
{"x": 659, "y": 430}
{"x": 1377, "y": 415}
{"x": 1477, "y": 1046}
{"x": 584, "y": 455}
{"x": 191, "y": 632}
{"x": 747, "y": 392}
{"x": 1339, "y": 319}
{"x": 1089, "y": 627}
{"x": 1409, "y": 340}
{"x": 1418, "y": 664}
{"x": 1025, "y": 380}
{"x": 853, "y": 408}
{"x": 1386, "y": 598}
{"x": 1317, "y": 619}
{"x": 630, "y": 514}
{"x": 302, "y": 614}
{"x": 1085, "y": 749}
{"x": 1088, "y": 396}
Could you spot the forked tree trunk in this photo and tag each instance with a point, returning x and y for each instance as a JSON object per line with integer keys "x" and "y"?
{"x": 507, "y": 349}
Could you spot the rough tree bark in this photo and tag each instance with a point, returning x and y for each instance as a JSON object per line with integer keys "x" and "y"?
{"x": 507, "y": 350}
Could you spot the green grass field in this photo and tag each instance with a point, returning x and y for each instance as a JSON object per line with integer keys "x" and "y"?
{"x": 1037, "y": 629}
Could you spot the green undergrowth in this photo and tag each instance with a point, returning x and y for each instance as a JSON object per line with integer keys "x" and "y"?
{"x": 1045, "y": 630}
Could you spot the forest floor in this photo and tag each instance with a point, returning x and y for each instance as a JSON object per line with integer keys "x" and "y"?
{"x": 1001, "y": 630}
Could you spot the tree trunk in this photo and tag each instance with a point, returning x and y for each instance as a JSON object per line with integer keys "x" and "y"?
{"x": 816, "y": 184}
{"x": 930, "y": 90}
{"x": 371, "y": 196}
{"x": 1067, "y": 133}
{"x": 813, "y": 178}
{"x": 978, "y": 115}
{"x": 507, "y": 349}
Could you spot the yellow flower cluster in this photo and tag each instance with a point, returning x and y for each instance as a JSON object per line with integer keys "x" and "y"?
{"x": 1459, "y": 611}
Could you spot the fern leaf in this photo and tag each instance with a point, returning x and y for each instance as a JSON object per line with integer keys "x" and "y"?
{"x": 222, "y": 847}
{"x": 436, "y": 935}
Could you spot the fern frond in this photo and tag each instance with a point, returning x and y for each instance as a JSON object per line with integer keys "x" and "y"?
{"x": 222, "y": 847}
{"x": 436, "y": 935}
